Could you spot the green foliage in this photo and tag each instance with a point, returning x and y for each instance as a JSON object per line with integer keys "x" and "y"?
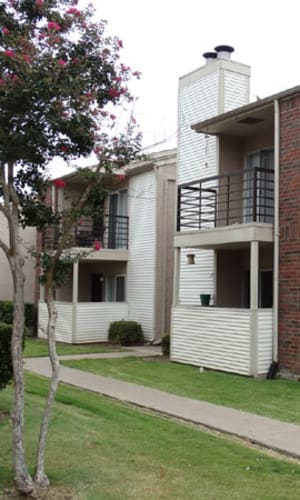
{"x": 126, "y": 333}
{"x": 165, "y": 344}
{"x": 7, "y": 314}
{"x": 6, "y": 369}
{"x": 6, "y": 311}
{"x": 31, "y": 317}
{"x": 59, "y": 71}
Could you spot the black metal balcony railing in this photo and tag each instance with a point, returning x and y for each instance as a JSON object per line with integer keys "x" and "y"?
{"x": 111, "y": 231}
{"x": 234, "y": 198}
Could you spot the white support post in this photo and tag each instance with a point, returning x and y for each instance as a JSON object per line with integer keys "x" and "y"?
{"x": 74, "y": 301}
{"x": 254, "y": 299}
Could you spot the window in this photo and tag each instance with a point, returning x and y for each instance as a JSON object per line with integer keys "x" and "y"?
{"x": 115, "y": 288}
{"x": 264, "y": 194}
{"x": 118, "y": 211}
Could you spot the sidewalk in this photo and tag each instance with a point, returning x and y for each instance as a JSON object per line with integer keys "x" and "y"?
{"x": 279, "y": 436}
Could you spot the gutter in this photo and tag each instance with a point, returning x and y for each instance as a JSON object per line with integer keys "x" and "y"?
{"x": 276, "y": 229}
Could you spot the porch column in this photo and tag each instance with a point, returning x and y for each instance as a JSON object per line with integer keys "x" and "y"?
{"x": 74, "y": 301}
{"x": 254, "y": 299}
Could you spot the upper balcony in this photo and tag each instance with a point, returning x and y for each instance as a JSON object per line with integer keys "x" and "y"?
{"x": 106, "y": 232}
{"x": 227, "y": 208}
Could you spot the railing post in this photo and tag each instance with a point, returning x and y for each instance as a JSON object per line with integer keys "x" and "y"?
{"x": 228, "y": 200}
{"x": 200, "y": 203}
{"x": 254, "y": 201}
{"x": 178, "y": 209}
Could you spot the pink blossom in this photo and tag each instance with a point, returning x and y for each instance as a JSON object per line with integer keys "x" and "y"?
{"x": 64, "y": 149}
{"x": 97, "y": 245}
{"x": 113, "y": 92}
{"x": 9, "y": 53}
{"x": 121, "y": 177}
{"x": 2, "y": 82}
{"x": 61, "y": 62}
{"x": 14, "y": 78}
{"x": 5, "y": 30}
{"x": 52, "y": 25}
{"x": 112, "y": 117}
{"x": 27, "y": 58}
{"x": 137, "y": 74}
{"x": 59, "y": 183}
{"x": 74, "y": 11}
{"x": 39, "y": 3}
{"x": 120, "y": 44}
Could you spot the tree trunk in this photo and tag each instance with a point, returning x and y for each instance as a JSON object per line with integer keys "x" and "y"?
{"x": 40, "y": 477}
{"x": 23, "y": 480}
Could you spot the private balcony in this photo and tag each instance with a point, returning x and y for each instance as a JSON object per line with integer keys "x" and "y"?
{"x": 107, "y": 232}
{"x": 236, "y": 206}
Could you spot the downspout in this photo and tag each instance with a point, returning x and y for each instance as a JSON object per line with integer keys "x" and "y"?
{"x": 276, "y": 229}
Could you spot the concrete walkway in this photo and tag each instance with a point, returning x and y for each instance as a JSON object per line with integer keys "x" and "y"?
{"x": 279, "y": 436}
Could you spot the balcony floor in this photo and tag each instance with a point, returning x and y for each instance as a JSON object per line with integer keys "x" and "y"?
{"x": 233, "y": 236}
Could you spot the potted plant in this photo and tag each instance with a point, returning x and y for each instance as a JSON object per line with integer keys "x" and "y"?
{"x": 205, "y": 299}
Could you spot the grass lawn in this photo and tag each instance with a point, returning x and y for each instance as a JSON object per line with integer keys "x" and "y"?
{"x": 39, "y": 347}
{"x": 101, "y": 449}
{"x": 279, "y": 399}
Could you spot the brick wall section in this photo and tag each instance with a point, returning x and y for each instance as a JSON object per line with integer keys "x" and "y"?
{"x": 289, "y": 246}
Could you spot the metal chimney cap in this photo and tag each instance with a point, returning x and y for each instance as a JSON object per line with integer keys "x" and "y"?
{"x": 210, "y": 55}
{"x": 224, "y": 48}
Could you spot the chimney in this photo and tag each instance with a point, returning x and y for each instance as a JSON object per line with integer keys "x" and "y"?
{"x": 210, "y": 57}
{"x": 224, "y": 51}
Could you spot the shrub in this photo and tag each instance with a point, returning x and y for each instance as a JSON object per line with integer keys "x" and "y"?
{"x": 6, "y": 312}
{"x": 6, "y": 369}
{"x": 125, "y": 333}
{"x": 31, "y": 318}
{"x": 165, "y": 344}
{"x": 30, "y": 314}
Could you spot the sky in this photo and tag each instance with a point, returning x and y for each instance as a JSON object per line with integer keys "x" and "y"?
{"x": 165, "y": 39}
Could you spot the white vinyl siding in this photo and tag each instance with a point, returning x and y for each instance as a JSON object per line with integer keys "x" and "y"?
{"x": 94, "y": 318}
{"x": 197, "y": 278}
{"x": 264, "y": 339}
{"x": 142, "y": 253}
{"x": 219, "y": 338}
{"x": 198, "y": 100}
{"x": 236, "y": 90}
{"x": 212, "y": 337}
{"x": 64, "y": 321}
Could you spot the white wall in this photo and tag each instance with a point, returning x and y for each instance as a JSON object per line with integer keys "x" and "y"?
{"x": 28, "y": 236}
{"x": 210, "y": 90}
{"x": 142, "y": 245}
{"x": 213, "y": 338}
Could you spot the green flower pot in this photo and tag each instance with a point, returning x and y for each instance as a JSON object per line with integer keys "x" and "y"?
{"x": 205, "y": 299}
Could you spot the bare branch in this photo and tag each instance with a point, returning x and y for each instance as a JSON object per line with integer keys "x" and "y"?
{"x": 5, "y": 248}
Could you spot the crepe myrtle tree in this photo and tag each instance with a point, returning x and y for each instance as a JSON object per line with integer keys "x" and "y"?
{"x": 61, "y": 86}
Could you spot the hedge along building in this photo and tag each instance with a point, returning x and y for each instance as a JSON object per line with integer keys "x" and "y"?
{"x": 246, "y": 215}
{"x": 127, "y": 271}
